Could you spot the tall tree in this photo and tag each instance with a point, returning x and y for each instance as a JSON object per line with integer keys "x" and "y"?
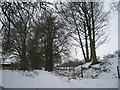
{"x": 55, "y": 40}
{"x": 34, "y": 34}
{"x": 17, "y": 15}
{"x": 48, "y": 37}
{"x": 89, "y": 21}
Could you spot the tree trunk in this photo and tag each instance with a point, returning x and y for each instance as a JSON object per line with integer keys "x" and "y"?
{"x": 86, "y": 45}
{"x": 23, "y": 57}
{"x": 46, "y": 58}
{"x": 87, "y": 19}
{"x": 93, "y": 41}
{"x": 94, "y": 58}
{"x": 49, "y": 61}
{"x": 25, "y": 65}
{"x": 81, "y": 45}
{"x": 50, "y": 68}
{"x": 49, "y": 54}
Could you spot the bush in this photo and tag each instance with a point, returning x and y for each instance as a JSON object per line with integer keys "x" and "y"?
{"x": 117, "y": 53}
{"x": 108, "y": 56}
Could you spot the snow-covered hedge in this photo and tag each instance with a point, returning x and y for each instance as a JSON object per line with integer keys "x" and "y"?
{"x": 106, "y": 69}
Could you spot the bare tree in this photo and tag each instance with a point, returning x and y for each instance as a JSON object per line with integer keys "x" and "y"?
{"x": 34, "y": 34}
{"x": 89, "y": 22}
{"x": 16, "y": 17}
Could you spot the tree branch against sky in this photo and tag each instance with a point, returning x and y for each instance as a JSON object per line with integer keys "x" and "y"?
{"x": 89, "y": 22}
{"x": 83, "y": 22}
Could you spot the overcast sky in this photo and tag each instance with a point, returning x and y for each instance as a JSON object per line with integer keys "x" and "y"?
{"x": 112, "y": 44}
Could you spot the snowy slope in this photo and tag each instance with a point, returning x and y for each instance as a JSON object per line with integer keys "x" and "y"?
{"x": 113, "y": 70}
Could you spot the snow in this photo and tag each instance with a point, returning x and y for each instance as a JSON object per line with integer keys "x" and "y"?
{"x": 106, "y": 71}
{"x": 95, "y": 66}
{"x": 44, "y": 79}
{"x": 0, "y": 73}
{"x": 86, "y": 65}
{"x": 113, "y": 69}
{"x": 0, "y": 77}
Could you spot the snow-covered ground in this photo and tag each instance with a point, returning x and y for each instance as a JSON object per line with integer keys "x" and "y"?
{"x": 0, "y": 77}
{"x": 44, "y": 79}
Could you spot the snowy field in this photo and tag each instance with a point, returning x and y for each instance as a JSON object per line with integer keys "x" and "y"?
{"x": 44, "y": 79}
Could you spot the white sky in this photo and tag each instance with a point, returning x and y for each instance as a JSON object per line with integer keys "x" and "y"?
{"x": 112, "y": 44}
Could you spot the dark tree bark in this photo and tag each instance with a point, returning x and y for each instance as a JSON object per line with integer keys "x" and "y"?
{"x": 80, "y": 40}
{"x": 50, "y": 55}
{"x": 86, "y": 45}
{"x": 94, "y": 58}
{"x": 49, "y": 52}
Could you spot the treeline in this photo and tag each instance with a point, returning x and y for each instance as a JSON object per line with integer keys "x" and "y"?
{"x": 39, "y": 34}
{"x": 112, "y": 55}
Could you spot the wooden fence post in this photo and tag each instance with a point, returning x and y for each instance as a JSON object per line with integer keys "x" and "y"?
{"x": 82, "y": 72}
{"x": 118, "y": 71}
